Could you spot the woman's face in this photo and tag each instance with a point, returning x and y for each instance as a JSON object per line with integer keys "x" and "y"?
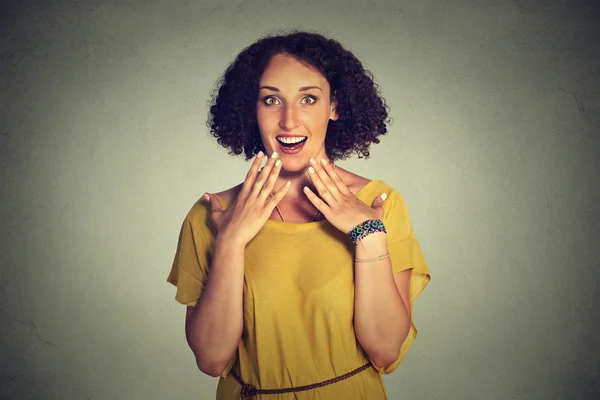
{"x": 293, "y": 110}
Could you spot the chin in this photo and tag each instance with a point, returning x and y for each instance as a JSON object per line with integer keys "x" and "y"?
{"x": 295, "y": 165}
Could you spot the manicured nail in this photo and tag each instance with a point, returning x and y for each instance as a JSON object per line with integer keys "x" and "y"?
{"x": 206, "y": 196}
{"x": 260, "y": 154}
{"x": 323, "y": 161}
{"x": 312, "y": 161}
{"x": 277, "y": 163}
{"x": 288, "y": 184}
{"x": 383, "y": 196}
{"x": 311, "y": 170}
{"x": 274, "y": 154}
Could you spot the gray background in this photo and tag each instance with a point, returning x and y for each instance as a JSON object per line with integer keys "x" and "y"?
{"x": 103, "y": 150}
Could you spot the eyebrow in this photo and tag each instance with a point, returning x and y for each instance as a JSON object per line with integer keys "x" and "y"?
{"x": 302, "y": 89}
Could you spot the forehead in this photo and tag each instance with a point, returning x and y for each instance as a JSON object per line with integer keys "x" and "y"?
{"x": 285, "y": 71}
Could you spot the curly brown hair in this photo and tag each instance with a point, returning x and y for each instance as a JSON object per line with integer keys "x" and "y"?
{"x": 363, "y": 113}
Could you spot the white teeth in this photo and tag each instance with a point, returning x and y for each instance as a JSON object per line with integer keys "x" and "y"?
{"x": 291, "y": 140}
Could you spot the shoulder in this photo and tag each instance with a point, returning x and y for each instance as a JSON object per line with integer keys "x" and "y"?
{"x": 368, "y": 188}
{"x": 201, "y": 208}
{"x": 229, "y": 195}
{"x": 354, "y": 182}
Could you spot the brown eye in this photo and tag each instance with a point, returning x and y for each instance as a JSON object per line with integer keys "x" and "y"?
{"x": 309, "y": 100}
{"x": 270, "y": 101}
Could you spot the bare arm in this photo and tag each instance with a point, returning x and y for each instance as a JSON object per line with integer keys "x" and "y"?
{"x": 381, "y": 305}
{"x": 214, "y": 326}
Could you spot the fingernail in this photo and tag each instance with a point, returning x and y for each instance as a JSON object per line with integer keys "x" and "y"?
{"x": 383, "y": 196}
{"x": 288, "y": 183}
{"x": 323, "y": 161}
{"x": 274, "y": 154}
{"x": 312, "y": 161}
{"x": 260, "y": 154}
{"x": 206, "y": 196}
{"x": 311, "y": 170}
{"x": 277, "y": 163}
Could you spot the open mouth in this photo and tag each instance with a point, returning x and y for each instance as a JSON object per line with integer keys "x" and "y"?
{"x": 291, "y": 142}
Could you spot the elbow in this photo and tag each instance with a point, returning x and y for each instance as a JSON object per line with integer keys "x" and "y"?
{"x": 384, "y": 351}
{"x": 384, "y": 361}
{"x": 214, "y": 362}
{"x": 384, "y": 357}
{"x": 211, "y": 369}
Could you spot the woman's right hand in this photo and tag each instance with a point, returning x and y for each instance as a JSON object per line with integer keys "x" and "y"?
{"x": 253, "y": 204}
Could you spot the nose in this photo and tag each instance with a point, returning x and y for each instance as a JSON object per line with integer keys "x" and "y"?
{"x": 289, "y": 118}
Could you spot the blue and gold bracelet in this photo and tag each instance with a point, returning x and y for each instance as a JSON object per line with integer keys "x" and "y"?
{"x": 364, "y": 229}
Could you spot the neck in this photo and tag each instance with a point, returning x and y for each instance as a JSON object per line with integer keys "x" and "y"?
{"x": 299, "y": 179}
{"x": 295, "y": 199}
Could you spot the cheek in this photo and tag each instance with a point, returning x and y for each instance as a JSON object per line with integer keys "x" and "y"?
{"x": 320, "y": 119}
{"x": 261, "y": 120}
{"x": 265, "y": 117}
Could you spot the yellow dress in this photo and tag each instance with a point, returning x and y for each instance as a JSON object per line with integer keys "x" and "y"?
{"x": 299, "y": 299}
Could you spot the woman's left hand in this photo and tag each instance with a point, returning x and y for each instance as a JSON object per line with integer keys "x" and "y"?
{"x": 336, "y": 202}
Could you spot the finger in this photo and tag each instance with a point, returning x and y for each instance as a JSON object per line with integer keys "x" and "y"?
{"x": 214, "y": 203}
{"x": 317, "y": 202}
{"x": 276, "y": 198}
{"x": 322, "y": 190}
{"x": 326, "y": 180}
{"x": 252, "y": 173}
{"x": 271, "y": 179}
{"x": 264, "y": 174}
{"x": 335, "y": 178}
{"x": 377, "y": 204}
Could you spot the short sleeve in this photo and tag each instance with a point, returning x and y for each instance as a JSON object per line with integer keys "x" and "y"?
{"x": 192, "y": 257}
{"x": 405, "y": 253}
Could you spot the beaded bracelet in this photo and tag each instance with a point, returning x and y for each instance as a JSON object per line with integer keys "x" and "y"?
{"x": 366, "y": 228}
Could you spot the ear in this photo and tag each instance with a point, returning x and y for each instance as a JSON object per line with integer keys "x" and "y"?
{"x": 333, "y": 115}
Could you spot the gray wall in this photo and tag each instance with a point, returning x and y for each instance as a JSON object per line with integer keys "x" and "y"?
{"x": 103, "y": 149}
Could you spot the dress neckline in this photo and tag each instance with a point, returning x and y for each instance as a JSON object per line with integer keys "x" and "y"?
{"x": 305, "y": 225}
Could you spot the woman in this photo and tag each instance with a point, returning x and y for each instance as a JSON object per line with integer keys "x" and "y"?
{"x": 299, "y": 281}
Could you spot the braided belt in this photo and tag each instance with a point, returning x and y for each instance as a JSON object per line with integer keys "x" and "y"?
{"x": 249, "y": 391}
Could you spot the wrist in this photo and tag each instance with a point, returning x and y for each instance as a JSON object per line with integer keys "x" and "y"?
{"x": 365, "y": 229}
{"x": 373, "y": 249}
{"x": 374, "y": 244}
{"x": 229, "y": 241}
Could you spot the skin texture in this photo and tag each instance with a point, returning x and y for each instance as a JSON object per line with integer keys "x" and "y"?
{"x": 301, "y": 183}
{"x": 285, "y": 106}
{"x": 381, "y": 299}
{"x": 294, "y": 98}
{"x": 362, "y": 112}
{"x": 214, "y": 326}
